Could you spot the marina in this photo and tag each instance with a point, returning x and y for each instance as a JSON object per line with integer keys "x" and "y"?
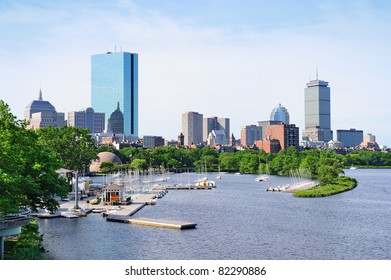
{"x": 273, "y": 226}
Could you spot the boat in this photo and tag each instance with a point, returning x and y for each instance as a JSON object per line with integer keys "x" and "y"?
{"x": 108, "y": 212}
{"x": 262, "y": 178}
{"x": 218, "y": 176}
{"x": 205, "y": 183}
{"x": 100, "y": 210}
{"x": 151, "y": 201}
{"x": 353, "y": 167}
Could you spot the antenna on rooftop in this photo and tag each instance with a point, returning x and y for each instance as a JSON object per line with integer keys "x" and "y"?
{"x": 317, "y": 73}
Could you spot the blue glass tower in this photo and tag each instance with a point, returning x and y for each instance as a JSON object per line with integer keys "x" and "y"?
{"x": 114, "y": 78}
{"x": 280, "y": 113}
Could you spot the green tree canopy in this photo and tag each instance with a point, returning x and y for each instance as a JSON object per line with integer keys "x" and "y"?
{"x": 329, "y": 169}
{"x": 27, "y": 168}
{"x": 73, "y": 146}
{"x": 140, "y": 164}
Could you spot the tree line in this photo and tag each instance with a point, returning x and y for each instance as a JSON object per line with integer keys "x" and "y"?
{"x": 245, "y": 161}
{"x": 29, "y": 160}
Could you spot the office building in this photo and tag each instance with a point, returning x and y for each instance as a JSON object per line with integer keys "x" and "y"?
{"x": 41, "y": 113}
{"x": 42, "y": 120}
{"x": 287, "y": 135}
{"x": 215, "y": 123}
{"x": 152, "y": 141}
{"x": 217, "y": 137}
{"x": 280, "y": 113}
{"x": 268, "y": 145}
{"x": 249, "y": 134}
{"x": 369, "y": 142}
{"x": 88, "y": 118}
{"x": 61, "y": 121}
{"x": 114, "y": 78}
{"x": 317, "y": 112}
{"x": 115, "y": 124}
{"x": 192, "y": 128}
{"x": 265, "y": 124}
{"x": 369, "y": 137}
{"x": 350, "y": 137}
{"x": 181, "y": 140}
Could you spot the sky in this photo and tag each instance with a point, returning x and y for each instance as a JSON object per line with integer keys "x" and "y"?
{"x": 225, "y": 58}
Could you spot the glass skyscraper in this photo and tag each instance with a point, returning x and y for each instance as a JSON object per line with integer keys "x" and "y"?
{"x": 280, "y": 113}
{"x": 114, "y": 78}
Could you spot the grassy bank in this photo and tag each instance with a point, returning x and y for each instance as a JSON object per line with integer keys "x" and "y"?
{"x": 344, "y": 184}
{"x": 370, "y": 167}
{"x": 25, "y": 246}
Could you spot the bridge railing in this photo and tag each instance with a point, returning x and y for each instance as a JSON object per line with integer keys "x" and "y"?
{"x": 23, "y": 214}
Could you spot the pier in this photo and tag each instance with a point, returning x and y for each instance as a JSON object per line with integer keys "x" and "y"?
{"x": 152, "y": 222}
{"x": 127, "y": 210}
{"x": 122, "y": 213}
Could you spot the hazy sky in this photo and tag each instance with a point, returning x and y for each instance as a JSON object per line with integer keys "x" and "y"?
{"x": 225, "y": 58}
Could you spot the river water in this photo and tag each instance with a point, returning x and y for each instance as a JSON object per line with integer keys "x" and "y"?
{"x": 240, "y": 220}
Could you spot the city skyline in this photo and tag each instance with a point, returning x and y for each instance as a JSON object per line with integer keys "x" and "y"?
{"x": 222, "y": 58}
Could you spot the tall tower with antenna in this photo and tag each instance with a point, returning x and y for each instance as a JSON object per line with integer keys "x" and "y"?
{"x": 317, "y": 111}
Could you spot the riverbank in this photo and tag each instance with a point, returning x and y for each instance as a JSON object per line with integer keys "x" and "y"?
{"x": 369, "y": 167}
{"x": 344, "y": 184}
{"x": 26, "y": 246}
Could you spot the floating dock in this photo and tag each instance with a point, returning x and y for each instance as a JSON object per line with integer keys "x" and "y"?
{"x": 144, "y": 198}
{"x": 153, "y": 222}
{"x": 127, "y": 211}
{"x": 48, "y": 215}
{"x": 188, "y": 187}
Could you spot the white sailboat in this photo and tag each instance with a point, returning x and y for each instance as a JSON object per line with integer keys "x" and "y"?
{"x": 218, "y": 176}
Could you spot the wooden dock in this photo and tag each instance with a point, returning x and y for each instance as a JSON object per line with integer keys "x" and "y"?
{"x": 127, "y": 211}
{"x": 145, "y": 198}
{"x": 153, "y": 222}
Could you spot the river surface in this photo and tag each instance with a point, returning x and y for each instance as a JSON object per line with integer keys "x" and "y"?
{"x": 240, "y": 220}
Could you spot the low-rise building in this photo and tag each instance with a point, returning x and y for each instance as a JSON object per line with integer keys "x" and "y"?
{"x": 152, "y": 141}
{"x": 350, "y": 137}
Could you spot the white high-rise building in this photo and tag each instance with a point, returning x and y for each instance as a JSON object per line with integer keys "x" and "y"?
{"x": 215, "y": 123}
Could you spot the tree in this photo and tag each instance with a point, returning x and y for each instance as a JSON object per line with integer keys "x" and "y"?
{"x": 229, "y": 162}
{"x": 107, "y": 167}
{"x": 140, "y": 164}
{"x": 329, "y": 170}
{"x": 73, "y": 146}
{"x": 249, "y": 163}
{"x": 311, "y": 164}
{"x": 27, "y": 168}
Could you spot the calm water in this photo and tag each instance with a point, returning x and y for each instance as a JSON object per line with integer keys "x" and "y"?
{"x": 240, "y": 220}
